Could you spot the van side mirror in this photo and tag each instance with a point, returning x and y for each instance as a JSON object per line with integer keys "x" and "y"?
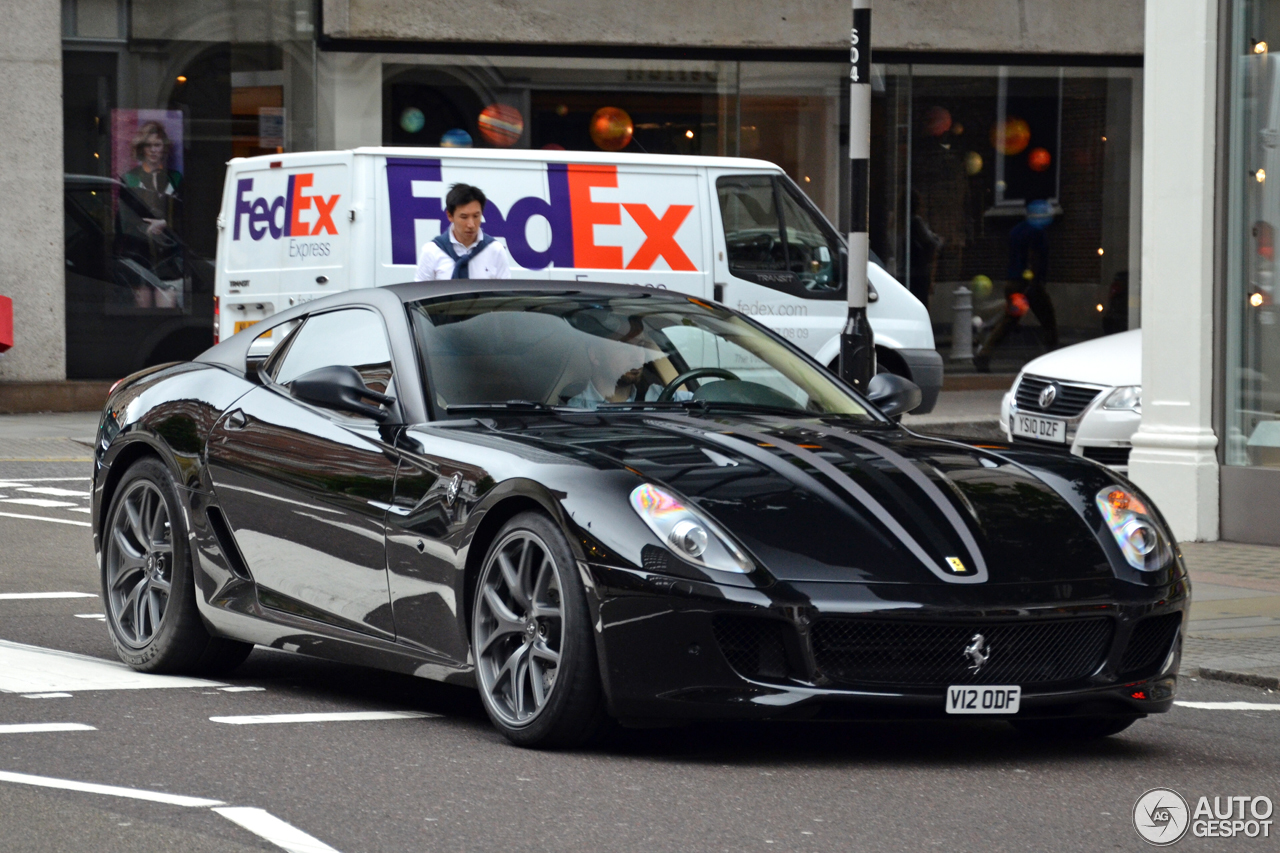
{"x": 894, "y": 395}
{"x": 341, "y": 387}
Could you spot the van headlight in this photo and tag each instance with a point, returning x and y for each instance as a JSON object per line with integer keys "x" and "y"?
{"x": 1136, "y": 532}
{"x": 690, "y": 535}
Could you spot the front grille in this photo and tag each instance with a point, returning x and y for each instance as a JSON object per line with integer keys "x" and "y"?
{"x": 1148, "y": 644}
{"x": 753, "y": 646}
{"x": 1117, "y": 456}
{"x": 1072, "y": 399}
{"x": 932, "y": 654}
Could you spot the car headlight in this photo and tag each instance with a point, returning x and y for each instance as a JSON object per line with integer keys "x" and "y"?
{"x": 1127, "y": 397}
{"x": 1136, "y": 532}
{"x": 689, "y": 534}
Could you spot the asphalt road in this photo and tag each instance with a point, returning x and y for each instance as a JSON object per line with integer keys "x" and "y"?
{"x": 448, "y": 782}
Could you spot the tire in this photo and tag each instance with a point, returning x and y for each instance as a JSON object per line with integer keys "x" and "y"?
{"x": 148, "y": 587}
{"x": 532, "y": 641}
{"x": 1074, "y": 728}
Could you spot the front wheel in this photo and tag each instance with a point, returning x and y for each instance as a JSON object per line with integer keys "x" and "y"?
{"x": 531, "y": 639}
{"x": 147, "y": 585}
{"x": 1074, "y": 728}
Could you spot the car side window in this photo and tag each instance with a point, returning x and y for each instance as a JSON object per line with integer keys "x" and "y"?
{"x": 352, "y": 337}
{"x": 752, "y": 228}
{"x": 812, "y": 254}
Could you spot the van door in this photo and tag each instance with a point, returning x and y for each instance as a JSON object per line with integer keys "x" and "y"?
{"x": 778, "y": 260}
{"x": 524, "y": 203}
{"x": 287, "y": 228}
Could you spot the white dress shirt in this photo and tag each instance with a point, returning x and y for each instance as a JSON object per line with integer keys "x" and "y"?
{"x": 435, "y": 265}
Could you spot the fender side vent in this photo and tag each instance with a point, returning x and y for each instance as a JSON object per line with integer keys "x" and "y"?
{"x": 227, "y": 543}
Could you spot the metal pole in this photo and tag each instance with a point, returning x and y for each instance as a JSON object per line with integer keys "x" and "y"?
{"x": 857, "y": 349}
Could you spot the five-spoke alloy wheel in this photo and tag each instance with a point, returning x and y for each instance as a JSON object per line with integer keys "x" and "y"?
{"x": 139, "y": 563}
{"x": 531, "y": 638}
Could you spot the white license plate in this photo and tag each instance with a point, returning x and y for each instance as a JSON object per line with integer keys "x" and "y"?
{"x": 990, "y": 699}
{"x": 1044, "y": 429}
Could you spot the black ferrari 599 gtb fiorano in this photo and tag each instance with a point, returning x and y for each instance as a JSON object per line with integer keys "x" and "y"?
{"x": 598, "y": 501}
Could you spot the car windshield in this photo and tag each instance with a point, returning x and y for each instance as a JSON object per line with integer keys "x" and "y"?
{"x": 575, "y": 351}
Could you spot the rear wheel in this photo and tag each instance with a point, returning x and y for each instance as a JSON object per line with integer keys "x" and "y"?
{"x": 1074, "y": 728}
{"x": 531, "y": 639}
{"x": 147, "y": 584}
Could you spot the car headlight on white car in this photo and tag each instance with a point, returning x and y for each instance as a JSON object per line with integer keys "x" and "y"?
{"x": 689, "y": 534}
{"x": 1135, "y": 531}
{"x": 1125, "y": 397}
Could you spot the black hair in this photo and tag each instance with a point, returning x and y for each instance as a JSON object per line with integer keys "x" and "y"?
{"x": 460, "y": 194}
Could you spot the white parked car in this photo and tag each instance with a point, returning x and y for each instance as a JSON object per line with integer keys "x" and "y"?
{"x": 1086, "y": 398}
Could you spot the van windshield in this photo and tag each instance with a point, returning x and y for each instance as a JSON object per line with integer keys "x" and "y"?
{"x": 574, "y": 351}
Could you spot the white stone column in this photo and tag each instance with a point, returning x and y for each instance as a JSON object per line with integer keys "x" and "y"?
{"x": 32, "y": 264}
{"x": 1174, "y": 451}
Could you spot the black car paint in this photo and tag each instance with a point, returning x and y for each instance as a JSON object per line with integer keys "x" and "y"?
{"x": 291, "y": 479}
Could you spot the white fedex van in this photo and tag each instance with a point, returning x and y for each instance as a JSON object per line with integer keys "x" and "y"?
{"x": 294, "y": 227}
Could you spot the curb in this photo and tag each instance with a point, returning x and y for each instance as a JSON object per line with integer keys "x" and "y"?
{"x": 1252, "y": 679}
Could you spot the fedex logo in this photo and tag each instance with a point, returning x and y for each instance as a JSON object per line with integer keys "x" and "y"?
{"x": 644, "y": 234}
{"x": 282, "y": 217}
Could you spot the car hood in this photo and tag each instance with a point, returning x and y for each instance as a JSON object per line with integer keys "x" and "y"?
{"x": 1112, "y": 360}
{"x": 823, "y": 500}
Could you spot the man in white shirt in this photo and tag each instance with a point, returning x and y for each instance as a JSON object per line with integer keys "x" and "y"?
{"x": 463, "y": 251}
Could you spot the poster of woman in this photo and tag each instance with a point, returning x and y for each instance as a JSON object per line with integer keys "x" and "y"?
{"x": 147, "y": 160}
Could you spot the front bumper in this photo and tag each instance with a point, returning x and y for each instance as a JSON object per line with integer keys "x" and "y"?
{"x": 925, "y": 366}
{"x": 665, "y": 655}
{"x": 1103, "y": 435}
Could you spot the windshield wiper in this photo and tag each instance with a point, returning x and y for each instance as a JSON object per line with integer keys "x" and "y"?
{"x": 509, "y": 405}
{"x": 629, "y": 405}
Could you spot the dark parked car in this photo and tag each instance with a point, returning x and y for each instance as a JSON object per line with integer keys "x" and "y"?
{"x": 616, "y": 502}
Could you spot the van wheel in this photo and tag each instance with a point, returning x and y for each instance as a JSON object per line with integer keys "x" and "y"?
{"x": 148, "y": 587}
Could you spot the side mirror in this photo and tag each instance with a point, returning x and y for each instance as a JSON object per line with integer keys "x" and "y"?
{"x": 340, "y": 387}
{"x": 893, "y": 394}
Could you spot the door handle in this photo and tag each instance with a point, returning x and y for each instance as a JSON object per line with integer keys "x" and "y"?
{"x": 236, "y": 420}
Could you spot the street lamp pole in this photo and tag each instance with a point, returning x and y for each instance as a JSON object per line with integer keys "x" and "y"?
{"x": 857, "y": 348}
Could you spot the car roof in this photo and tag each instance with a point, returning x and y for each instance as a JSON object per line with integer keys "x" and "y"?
{"x": 415, "y": 291}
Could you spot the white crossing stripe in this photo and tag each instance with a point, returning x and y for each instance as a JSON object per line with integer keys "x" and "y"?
{"x": 46, "y": 695}
{"x": 23, "y": 728}
{"x": 241, "y": 689}
{"x": 46, "y": 518}
{"x": 44, "y": 503}
{"x": 267, "y": 826}
{"x": 336, "y": 717}
{"x": 19, "y": 596}
{"x": 32, "y": 669}
{"x": 91, "y": 616}
{"x": 54, "y": 491}
{"x": 109, "y": 790}
{"x": 1231, "y": 706}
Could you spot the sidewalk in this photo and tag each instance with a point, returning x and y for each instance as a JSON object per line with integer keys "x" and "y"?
{"x": 968, "y": 414}
{"x": 1234, "y": 632}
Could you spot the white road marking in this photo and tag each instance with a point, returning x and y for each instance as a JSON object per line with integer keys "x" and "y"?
{"x": 26, "y": 481}
{"x": 54, "y": 491}
{"x": 43, "y": 503}
{"x": 18, "y": 596}
{"x": 22, "y": 728}
{"x": 91, "y": 616}
{"x": 266, "y": 825}
{"x": 109, "y": 790}
{"x": 32, "y": 669}
{"x": 1231, "y": 706}
{"x": 46, "y": 695}
{"x": 341, "y": 716}
{"x": 240, "y": 689}
{"x": 46, "y": 518}
{"x": 80, "y": 509}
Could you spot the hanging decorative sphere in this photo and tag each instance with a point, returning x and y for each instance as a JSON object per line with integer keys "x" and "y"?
{"x": 1011, "y": 138}
{"x": 412, "y": 120}
{"x": 972, "y": 163}
{"x": 501, "y": 125}
{"x": 937, "y": 121}
{"x": 611, "y": 128}
{"x": 455, "y": 138}
{"x": 1038, "y": 159}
